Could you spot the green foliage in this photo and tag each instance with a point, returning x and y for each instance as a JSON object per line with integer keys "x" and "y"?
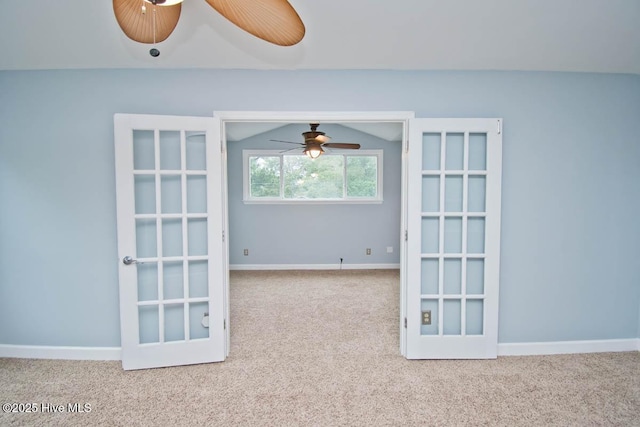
{"x": 322, "y": 178}
{"x": 265, "y": 176}
{"x": 362, "y": 176}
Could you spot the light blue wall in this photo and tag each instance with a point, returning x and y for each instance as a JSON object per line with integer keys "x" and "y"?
{"x": 571, "y": 186}
{"x": 315, "y": 234}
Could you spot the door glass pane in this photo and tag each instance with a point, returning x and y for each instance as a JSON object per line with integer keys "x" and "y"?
{"x": 453, "y": 235}
{"x": 431, "y": 194}
{"x": 430, "y": 305}
{"x": 196, "y": 151}
{"x": 454, "y": 159}
{"x": 149, "y": 324}
{"x": 173, "y": 280}
{"x": 430, "y": 235}
{"x": 147, "y": 281}
{"x": 431, "y": 151}
{"x": 146, "y": 238}
{"x": 174, "y": 322}
{"x": 453, "y": 194}
{"x": 171, "y": 196}
{"x": 475, "y": 314}
{"x": 197, "y": 236}
{"x": 198, "y": 279}
{"x": 476, "y": 201}
{"x": 143, "y": 150}
{"x": 475, "y": 236}
{"x": 452, "y": 322}
{"x": 197, "y": 194}
{"x": 478, "y": 151}
{"x": 429, "y": 276}
{"x": 452, "y": 276}
{"x": 145, "y": 194}
{"x": 475, "y": 276}
{"x": 170, "y": 150}
{"x": 196, "y": 314}
{"x": 171, "y": 237}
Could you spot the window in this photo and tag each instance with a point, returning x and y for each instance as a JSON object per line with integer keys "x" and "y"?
{"x": 274, "y": 177}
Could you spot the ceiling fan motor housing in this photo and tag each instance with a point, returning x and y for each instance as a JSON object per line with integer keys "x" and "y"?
{"x": 312, "y": 136}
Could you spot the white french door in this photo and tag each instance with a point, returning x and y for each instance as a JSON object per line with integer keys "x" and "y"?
{"x": 453, "y": 239}
{"x": 171, "y": 248}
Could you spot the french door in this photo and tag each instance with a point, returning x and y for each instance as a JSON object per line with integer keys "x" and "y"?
{"x": 172, "y": 252}
{"x": 172, "y": 267}
{"x": 453, "y": 238}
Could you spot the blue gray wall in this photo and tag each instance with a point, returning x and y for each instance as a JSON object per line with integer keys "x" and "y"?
{"x": 318, "y": 233}
{"x": 571, "y": 186}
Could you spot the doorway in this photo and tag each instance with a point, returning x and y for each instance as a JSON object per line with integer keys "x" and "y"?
{"x": 172, "y": 180}
{"x": 256, "y": 122}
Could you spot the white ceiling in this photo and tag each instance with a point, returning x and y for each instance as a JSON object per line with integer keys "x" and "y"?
{"x": 545, "y": 35}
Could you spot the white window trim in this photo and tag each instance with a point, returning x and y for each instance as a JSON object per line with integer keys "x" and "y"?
{"x": 246, "y": 198}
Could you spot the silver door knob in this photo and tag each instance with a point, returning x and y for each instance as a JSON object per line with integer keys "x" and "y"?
{"x": 129, "y": 260}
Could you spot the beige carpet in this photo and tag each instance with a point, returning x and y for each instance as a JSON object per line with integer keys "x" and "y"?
{"x": 321, "y": 349}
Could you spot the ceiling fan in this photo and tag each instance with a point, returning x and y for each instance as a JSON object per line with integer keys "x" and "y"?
{"x": 314, "y": 140}
{"x": 152, "y": 21}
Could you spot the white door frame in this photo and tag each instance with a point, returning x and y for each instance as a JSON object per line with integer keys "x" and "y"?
{"x": 401, "y": 117}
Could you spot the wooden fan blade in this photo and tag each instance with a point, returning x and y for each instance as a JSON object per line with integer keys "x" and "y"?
{"x": 286, "y": 142}
{"x": 290, "y": 150}
{"x": 342, "y": 145}
{"x": 275, "y": 21}
{"x": 138, "y": 26}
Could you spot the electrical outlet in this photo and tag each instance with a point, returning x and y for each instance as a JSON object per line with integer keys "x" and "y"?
{"x": 426, "y": 317}
{"x": 246, "y": 252}
{"x": 368, "y": 251}
{"x": 389, "y": 249}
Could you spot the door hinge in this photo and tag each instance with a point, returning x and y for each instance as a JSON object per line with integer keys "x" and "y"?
{"x": 406, "y": 235}
{"x": 223, "y": 236}
{"x": 405, "y": 323}
{"x": 224, "y": 324}
{"x": 499, "y": 127}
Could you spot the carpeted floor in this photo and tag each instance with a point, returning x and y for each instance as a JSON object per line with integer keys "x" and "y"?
{"x": 321, "y": 349}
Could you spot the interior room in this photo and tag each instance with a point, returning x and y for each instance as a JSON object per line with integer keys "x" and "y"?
{"x": 302, "y": 324}
{"x": 315, "y": 234}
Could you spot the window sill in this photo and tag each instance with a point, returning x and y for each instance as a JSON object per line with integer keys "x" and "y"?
{"x": 313, "y": 202}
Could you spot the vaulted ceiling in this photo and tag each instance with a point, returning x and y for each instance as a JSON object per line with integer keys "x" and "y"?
{"x": 545, "y": 35}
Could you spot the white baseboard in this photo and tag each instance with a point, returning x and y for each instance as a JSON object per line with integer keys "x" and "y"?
{"x": 568, "y": 347}
{"x": 67, "y": 353}
{"x": 504, "y": 349}
{"x": 314, "y": 267}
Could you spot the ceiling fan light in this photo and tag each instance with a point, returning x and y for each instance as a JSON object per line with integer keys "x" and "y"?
{"x": 165, "y": 2}
{"x": 314, "y": 151}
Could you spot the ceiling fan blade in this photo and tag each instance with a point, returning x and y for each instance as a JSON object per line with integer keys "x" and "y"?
{"x": 342, "y": 145}
{"x": 275, "y": 21}
{"x": 290, "y": 150}
{"x": 286, "y": 142}
{"x": 138, "y": 26}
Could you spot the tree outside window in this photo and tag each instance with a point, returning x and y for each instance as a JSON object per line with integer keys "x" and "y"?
{"x": 272, "y": 176}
